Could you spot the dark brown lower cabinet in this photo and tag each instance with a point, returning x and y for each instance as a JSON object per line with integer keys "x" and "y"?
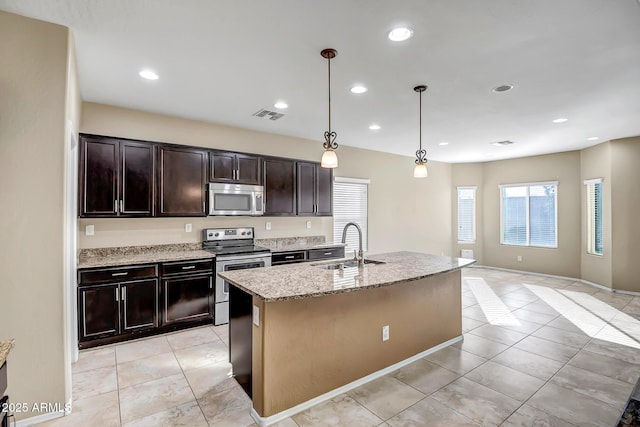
{"x": 240, "y": 337}
{"x": 187, "y": 298}
{"x": 139, "y": 305}
{"x": 99, "y": 311}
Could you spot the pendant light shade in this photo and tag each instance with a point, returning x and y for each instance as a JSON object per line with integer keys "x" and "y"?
{"x": 329, "y": 157}
{"x": 420, "y": 171}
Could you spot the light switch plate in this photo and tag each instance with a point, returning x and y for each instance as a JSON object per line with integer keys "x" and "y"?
{"x": 256, "y": 315}
{"x": 187, "y": 228}
{"x": 89, "y": 230}
{"x": 308, "y": 224}
{"x": 267, "y": 225}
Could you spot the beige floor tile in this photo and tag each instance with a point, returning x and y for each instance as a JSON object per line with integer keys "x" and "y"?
{"x": 185, "y": 415}
{"x": 430, "y": 412}
{"x": 455, "y": 360}
{"x": 285, "y": 423}
{"x": 574, "y": 407}
{"x": 386, "y": 396}
{"x": 605, "y": 365}
{"x": 528, "y": 416}
{"x": 129, "y": 351}
{"x": 102, "y": 410}
{"x": 201, "y": 355}
{"x": 229, "y": 407}
{"x": 541, "y": 307}
{"x": 513, "y": 304}
{"x": 425, "y": 376}
{"x": 150, "y": 368}
{"x": 342, "y": 410}
{"x": 521, "y": 295}
{"x": 522, "y": 326}
{"x": 192, "y": 337}
{"x": 562, "y": 337}
{"x": 579, "y": 287}
{"x": 469, "y": 324}
{"x": 505, "y": 380}
{"x": 212, "y": 378}
{"x": 480, "y": 403}
{"x": 615, "y": 350}
{"x": 498, "y": 334}
{"x": 552, "y": 350}
{"x": 154, "y": 396}
{"x": 609, "y": 390}
{"x": 94, "y": 382}
{"x": 532, "y": 316}
{"x": 528, "y": 363}
{"x": 565, "y": 324}
{"x": 221, "y": 331}
{"x": 474, "y": 312}
{"x": 480, "y": 346}
{"x": 95, "y": 358}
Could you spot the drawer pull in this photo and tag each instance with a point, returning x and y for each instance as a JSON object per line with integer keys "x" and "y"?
{"x": 189, "y": 267}
{"x": 289, "y": 257}
{"x": 328, "y": 253}
{"x": 120, "y": 274}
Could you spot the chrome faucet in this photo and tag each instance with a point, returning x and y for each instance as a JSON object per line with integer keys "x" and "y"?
{"x": 360, "y": 256}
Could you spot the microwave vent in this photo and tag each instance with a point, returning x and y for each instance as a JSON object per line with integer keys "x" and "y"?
{"x": 266, "y": 114}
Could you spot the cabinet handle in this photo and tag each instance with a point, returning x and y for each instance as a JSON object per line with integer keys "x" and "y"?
{"x": 117, "y": 295}
{"x": 189, "y": 267}
{"x": 124, "y": 273}
{"x": 121, "y": 205}
{"x": 124, "y": 294}
{"x": 328, "y": 253}
{"x": 115, "y": 203}
{"x": 210, "y": 283}
{"x": 289, "y": 257}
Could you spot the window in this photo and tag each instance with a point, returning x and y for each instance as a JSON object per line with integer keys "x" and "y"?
{"x": 350, "y": 205}
{"x": 529, "y": 214}
{"x": 466, "y": 214}
{"x": 594, "y": 216}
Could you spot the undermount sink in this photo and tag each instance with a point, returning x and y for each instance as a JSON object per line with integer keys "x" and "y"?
{"x": 347, "y": 264}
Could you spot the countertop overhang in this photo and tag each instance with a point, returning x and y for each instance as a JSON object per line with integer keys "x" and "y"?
{"x": 307, "y": 280}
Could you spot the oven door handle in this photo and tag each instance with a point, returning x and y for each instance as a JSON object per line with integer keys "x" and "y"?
{"x": 232, "y": 258}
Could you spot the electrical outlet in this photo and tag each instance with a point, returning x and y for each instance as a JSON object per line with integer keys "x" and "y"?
{"x": 256, "y": 315}
{"x": 519, "y": 258}
{"x": 385, "y": 333}
{"x": 267, "y": 225}
{"x": 89, "y": 230}
{"x": 187, "y": 228}
{"x": 308, "y": 225}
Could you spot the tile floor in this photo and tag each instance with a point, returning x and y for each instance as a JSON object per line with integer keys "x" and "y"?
{"x": 536, "y": 351}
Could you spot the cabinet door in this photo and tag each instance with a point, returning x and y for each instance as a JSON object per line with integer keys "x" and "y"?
{"x": 279, "y": 187}
{"x": 182, "y": 182}
{"x": 98, "y": 177}
{"x": 139, "y": 305}
{"x": 222, "y": 166}
{"x": 186, "y": 298}
{"x": 324, "y": 191}
{"x": 305, "y": 188}
{"x": 98, "y": 311}
{"x": 136, "y": 178}
{"x": 248, "y": 169}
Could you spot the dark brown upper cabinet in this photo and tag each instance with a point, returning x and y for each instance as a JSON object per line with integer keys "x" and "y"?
{"x": 280, "y": 187}
{"x": 235, "y": 168}
{"x": 314, "y": 189}
{"x": 182, "y": 180}
{"x": 116, "y": 177}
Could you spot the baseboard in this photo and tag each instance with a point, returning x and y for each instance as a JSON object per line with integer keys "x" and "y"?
{"x": 586, "y": 282}
{"x": 267, "y": 421}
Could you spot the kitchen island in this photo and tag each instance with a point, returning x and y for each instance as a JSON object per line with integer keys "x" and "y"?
{"x": 303, "y": 333}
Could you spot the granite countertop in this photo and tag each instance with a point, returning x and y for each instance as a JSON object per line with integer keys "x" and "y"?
{"x": 307, "y": 246}
{"x": 287, "y": 244}
{"x": 305, "y": 280}
{"x": 131, "y": 255}
{"x": 5, "y": 348}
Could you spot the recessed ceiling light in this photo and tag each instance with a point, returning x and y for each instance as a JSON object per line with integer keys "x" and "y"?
{"x": 560, "y": 120}
{"x": 444, "y": 143}
{"x": 400, "y": 34}
{"x": 148, "y": 74}
{"x": 502, "y": 88}
{"x": 374, "y": 127}
{"x": 281, "y": 105}
{"x": 593, "y": 138}
{"x": 358, "y": 89}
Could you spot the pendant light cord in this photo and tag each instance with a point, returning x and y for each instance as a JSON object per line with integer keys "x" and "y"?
{"x": 420, "y": 118}
{"x": 329, "y": 136}
{"x": 421, "y": 154}
{"x": 329, "y": 73}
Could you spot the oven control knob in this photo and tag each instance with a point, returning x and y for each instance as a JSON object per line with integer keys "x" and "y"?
{"x": 217, "y": 234}
{"x": 243, "y": 233}
{"x": 248, "y": 233}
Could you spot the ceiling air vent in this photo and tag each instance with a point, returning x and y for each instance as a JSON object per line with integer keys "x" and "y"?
{"x": 502, "y": 143}
{"x": 266, "y": 114}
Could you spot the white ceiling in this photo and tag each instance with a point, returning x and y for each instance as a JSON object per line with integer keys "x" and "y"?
{"x": 222, "y": 60}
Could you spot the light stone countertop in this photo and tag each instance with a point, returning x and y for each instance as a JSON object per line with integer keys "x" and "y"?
{"x": 5, "y": 349}
{"x": 305, "y": 247}
{"x": 114, "y": 260}
{"x": 306, "y": 280}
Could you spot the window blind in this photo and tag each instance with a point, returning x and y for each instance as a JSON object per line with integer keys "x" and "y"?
{"x": 594, "y": 216}
{"x": 350, "y": 205}
{"x": 466, "y": 214}
{"x": 529, "y": 214}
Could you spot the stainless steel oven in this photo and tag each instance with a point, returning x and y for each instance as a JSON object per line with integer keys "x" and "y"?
{"x": 229, "y": 263}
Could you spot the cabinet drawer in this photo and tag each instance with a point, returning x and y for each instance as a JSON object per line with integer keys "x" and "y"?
{"x": 288, "y": 257}
{"x": 182, "y": 267}
{"x": 316, "y": 254}
{"x": 117, "y": 274}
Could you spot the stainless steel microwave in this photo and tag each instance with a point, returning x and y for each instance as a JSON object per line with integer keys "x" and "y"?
{"x": 236, "y": 199}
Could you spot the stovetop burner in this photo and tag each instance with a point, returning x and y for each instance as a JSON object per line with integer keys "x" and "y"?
{"x": 231, "y": 241}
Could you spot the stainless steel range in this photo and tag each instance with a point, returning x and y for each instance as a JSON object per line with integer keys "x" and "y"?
{"x": 235, "y": 249}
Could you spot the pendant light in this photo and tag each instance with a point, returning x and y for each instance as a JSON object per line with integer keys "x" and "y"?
{"x": 420, "y": 171}
{"x": 329, "y": 158}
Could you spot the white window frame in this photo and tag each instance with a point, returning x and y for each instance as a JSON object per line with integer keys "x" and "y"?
{"x": 591, "y": 239}
{"x": 473, "y": 214}
{"x": 528, "y": 185}
{"x": 365, "y": 231}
